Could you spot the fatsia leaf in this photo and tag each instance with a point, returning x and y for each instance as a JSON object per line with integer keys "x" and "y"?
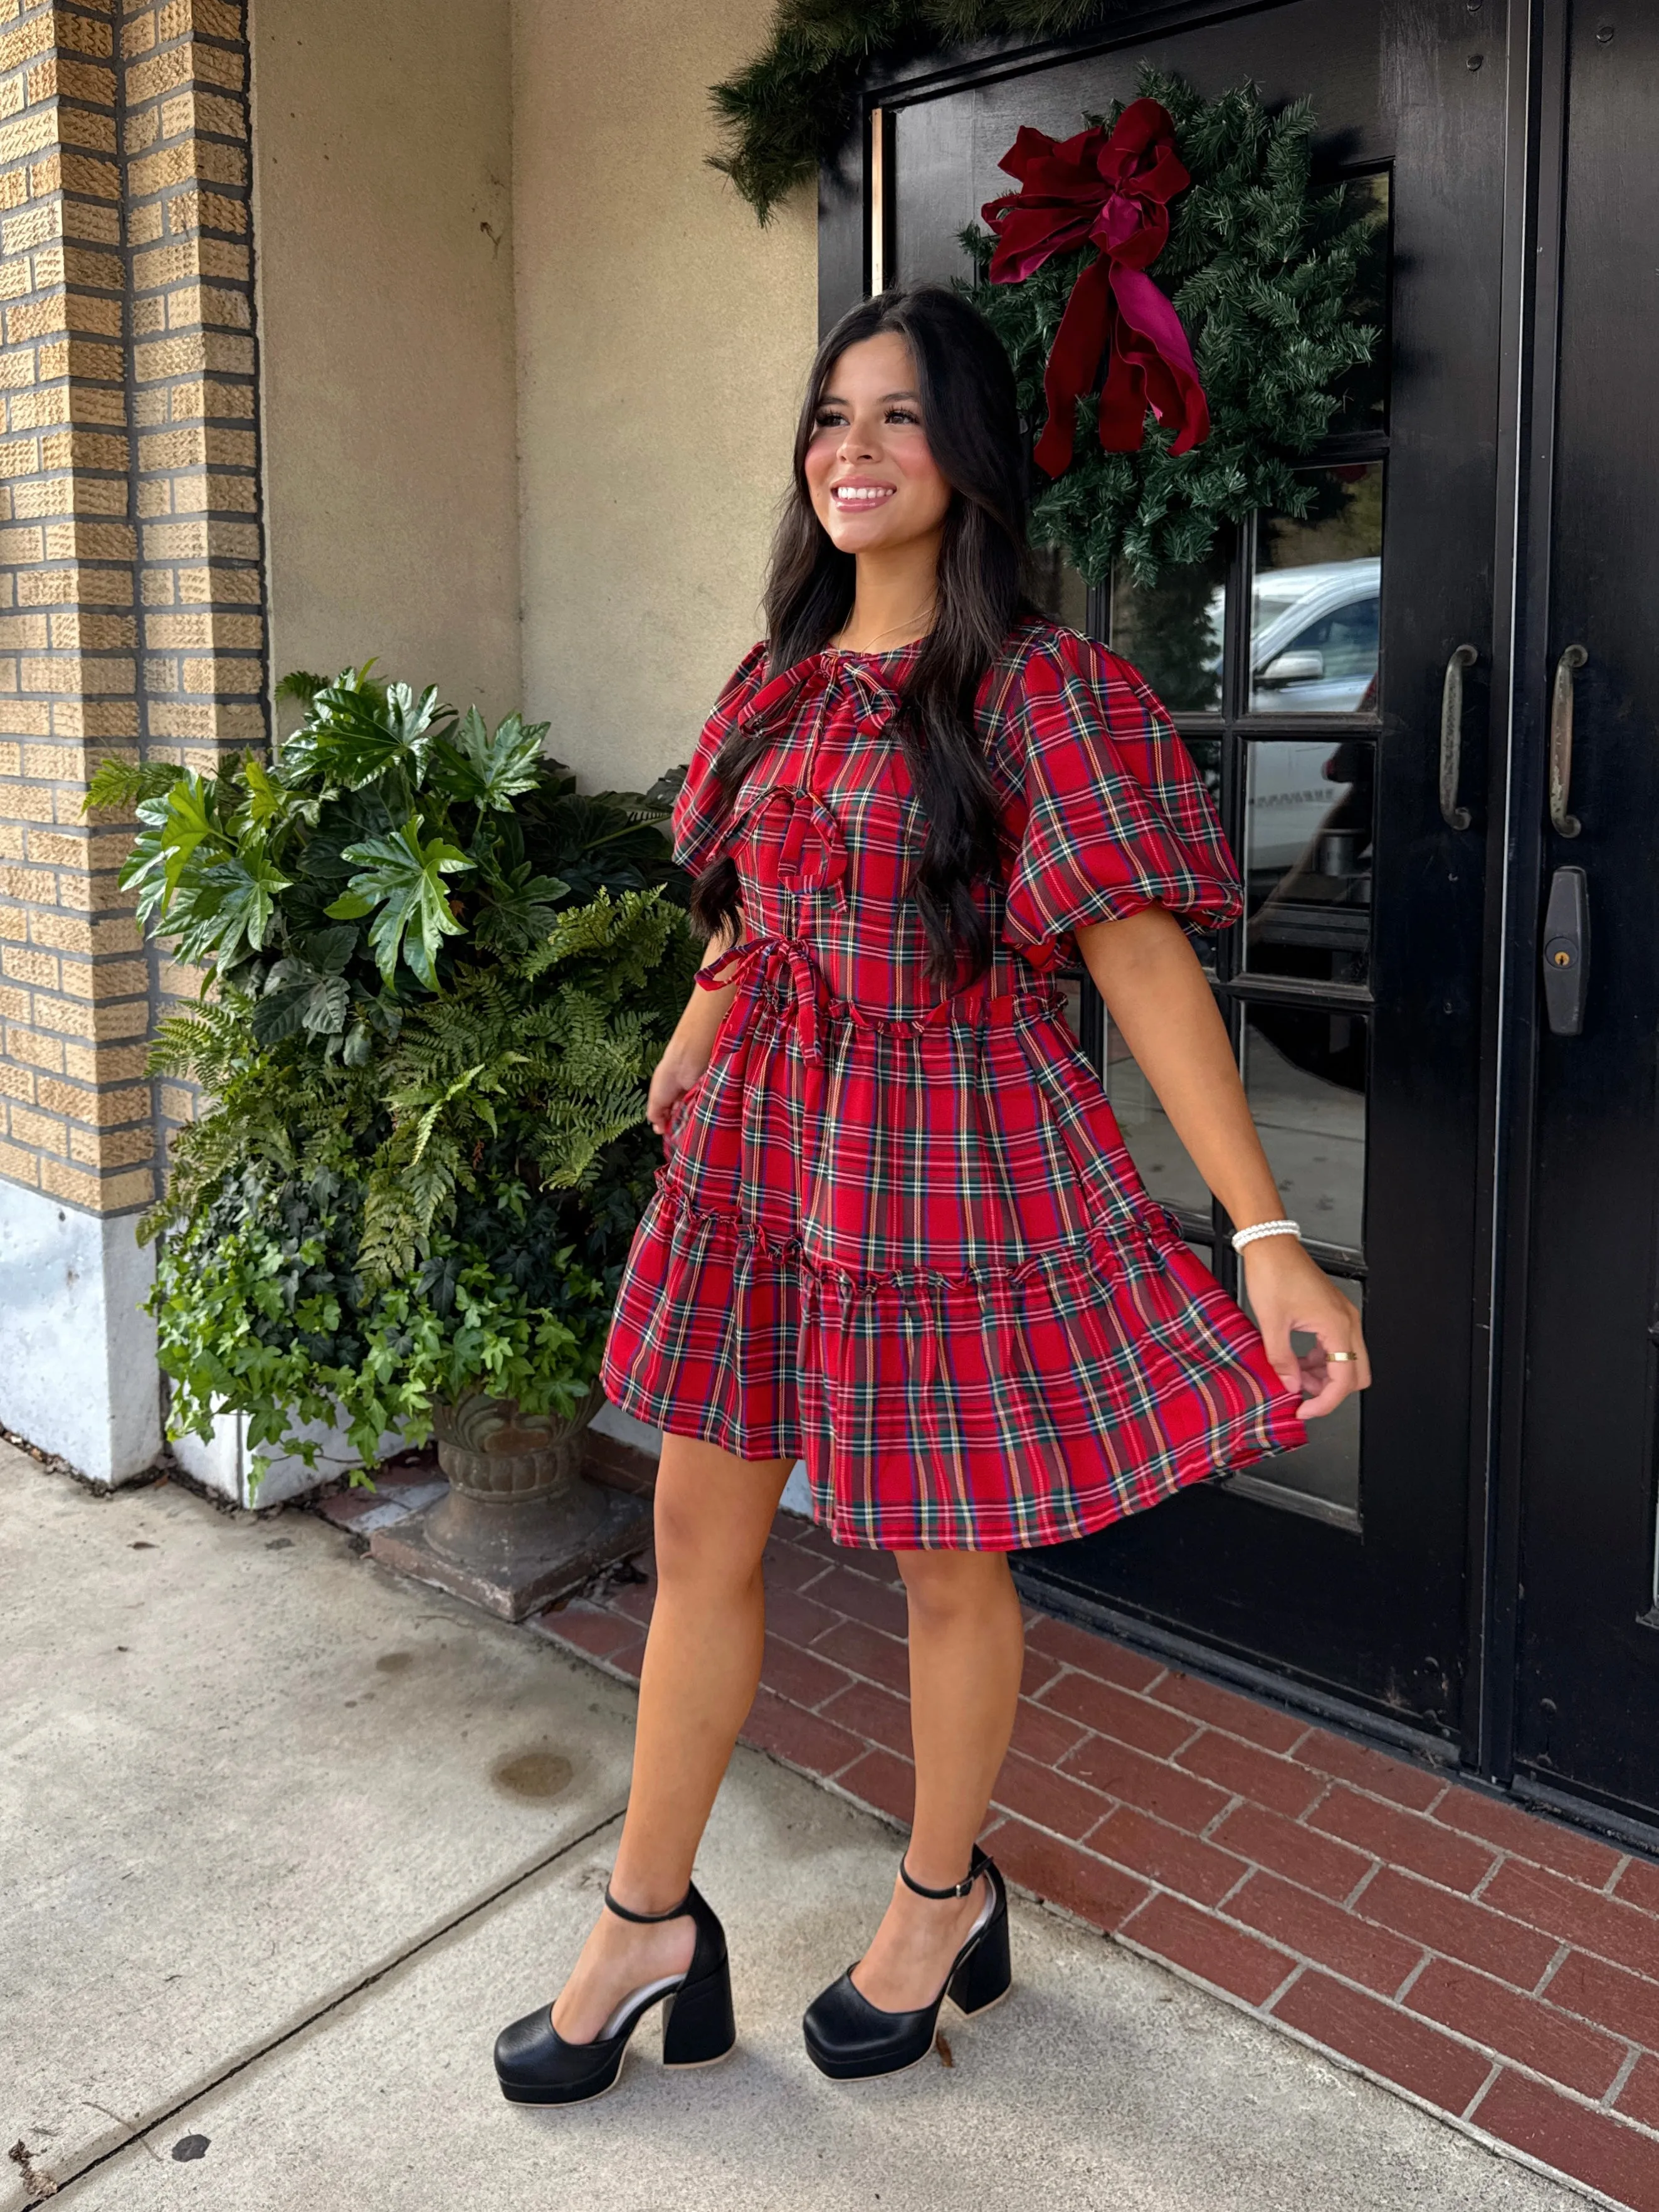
{"x": 403, "y": 878}
{"x": 485, "y": 771}
{"x": 517, "y": 909}
{"x": 176, "y": 823}
{"x": 228, "y": 904}
{"x": 356, "y": 731}
{"x": 265, "y": 797}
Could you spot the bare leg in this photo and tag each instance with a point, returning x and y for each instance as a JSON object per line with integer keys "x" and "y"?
{"x": 702, "y": 1661}
{"x": 967, "y": 1643}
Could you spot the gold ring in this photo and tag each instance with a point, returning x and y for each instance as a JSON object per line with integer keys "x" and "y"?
{"x": 1349, "y": 1358}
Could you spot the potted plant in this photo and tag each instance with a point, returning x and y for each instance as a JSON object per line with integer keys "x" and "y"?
{"x": 438, "y": 977}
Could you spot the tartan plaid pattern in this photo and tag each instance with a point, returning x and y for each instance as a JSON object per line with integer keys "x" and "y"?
{"x": 899, "y": 1234}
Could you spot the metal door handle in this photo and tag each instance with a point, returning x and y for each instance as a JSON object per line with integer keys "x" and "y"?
{"x": 1565, "y": 824}
{"x": 1451, "y": 736}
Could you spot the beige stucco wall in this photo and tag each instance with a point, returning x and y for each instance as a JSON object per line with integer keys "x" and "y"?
{"x": 382, "y": 133}
{"x": 663, "y": 338}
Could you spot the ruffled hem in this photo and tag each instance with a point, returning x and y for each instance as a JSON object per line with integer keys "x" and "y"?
{"x": 996, "y": 1408}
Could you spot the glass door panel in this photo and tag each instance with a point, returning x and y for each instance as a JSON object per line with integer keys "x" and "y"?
{"x": 1302, "y": 661}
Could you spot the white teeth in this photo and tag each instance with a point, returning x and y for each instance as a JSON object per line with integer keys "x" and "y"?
{"x": 862, "y": 494}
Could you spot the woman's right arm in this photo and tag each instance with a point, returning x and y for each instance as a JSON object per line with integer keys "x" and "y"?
{"x": 686, "y": 1055}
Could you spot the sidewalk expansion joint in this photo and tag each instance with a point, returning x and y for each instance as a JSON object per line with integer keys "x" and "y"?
{"x": 139, "y": 2130}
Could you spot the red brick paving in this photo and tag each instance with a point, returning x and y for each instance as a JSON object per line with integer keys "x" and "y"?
{"x": 1385, "y": 2040}
{"x": 1574, "y": 2138}
{"x": 1499, "y": 1967}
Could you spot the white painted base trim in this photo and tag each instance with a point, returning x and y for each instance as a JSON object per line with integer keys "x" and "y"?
{"x": 227, "y": 1465}
{"x": 77, "y": 1354}
{"x": 611, "y": 1421}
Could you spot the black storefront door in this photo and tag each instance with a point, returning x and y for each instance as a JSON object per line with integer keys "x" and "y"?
{"x": 1306, "y": 665}
{"x": 1587, "y": 1712}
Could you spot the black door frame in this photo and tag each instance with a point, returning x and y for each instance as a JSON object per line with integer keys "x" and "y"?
{"x": 1535, "y": 61}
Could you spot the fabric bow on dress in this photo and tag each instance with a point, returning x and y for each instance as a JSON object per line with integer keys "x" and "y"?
{"x": 1112, "y": 189}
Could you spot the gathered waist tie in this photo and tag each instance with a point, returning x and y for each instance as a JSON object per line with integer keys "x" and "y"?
{"x": 758, "y": 960}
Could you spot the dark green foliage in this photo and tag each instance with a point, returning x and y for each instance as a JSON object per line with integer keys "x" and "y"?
{"x": 794, "y": 105}
{"x": 389, "y": 837}
{"x": 1264, "y": 271}
{"x": 441, "y": 978}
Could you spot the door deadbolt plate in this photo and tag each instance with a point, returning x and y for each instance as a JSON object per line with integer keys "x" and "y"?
{"x": 1566, "y": 951}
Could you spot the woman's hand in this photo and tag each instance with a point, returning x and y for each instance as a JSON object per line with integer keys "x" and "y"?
{"x": 1288, "y": 1292}
{"x": 680, "y": 1067}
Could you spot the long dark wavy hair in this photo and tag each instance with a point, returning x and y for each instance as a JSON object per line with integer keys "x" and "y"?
{"x": 971, "y": 419}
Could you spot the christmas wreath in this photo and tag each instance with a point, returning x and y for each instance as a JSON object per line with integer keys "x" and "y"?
{"x": 1242, "y": 349}
{"x": 1271, "y": 285}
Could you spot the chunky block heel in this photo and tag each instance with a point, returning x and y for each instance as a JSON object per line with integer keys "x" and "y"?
{"x": 850, "y": 2039}
{"x": 697, "y": 2025}
{"x": 986, "y": 1975}
{"x": 535, "y": 2065}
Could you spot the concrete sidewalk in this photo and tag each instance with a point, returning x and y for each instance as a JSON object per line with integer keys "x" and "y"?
{"x": 286, "y": 1841}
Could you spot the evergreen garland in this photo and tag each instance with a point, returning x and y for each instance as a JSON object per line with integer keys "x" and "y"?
{"x": 794, "y": 105}
{"x": 1266, "y": 274}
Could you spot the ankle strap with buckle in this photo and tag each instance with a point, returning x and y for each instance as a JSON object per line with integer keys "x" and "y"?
{"x": 957, "y": 1889}
{"x": 645, "y": 1919}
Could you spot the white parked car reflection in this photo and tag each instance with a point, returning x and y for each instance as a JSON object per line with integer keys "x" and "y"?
{"x": 1313, "y": 638}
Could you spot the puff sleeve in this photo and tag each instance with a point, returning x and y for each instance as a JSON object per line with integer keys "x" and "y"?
{"x": 1110, "y": 814}
{"x": 695, "y": 819}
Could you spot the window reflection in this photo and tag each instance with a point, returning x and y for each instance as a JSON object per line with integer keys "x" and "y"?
{"x": 1304, "y": 1076}
{"x": 1314, "y": 615}
{"x": 1308, "y": 857}
{"x": 1058, "y": 588}
{"x": 1171, "y": 631}
{"x": 1160, "y": 1158}
{"x": 1362, "y": 403}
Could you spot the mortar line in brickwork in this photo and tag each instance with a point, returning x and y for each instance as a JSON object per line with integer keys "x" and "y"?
{"x": 1473, "y": 2106}
{"x": 1563, "y": 1953}
{"x": 1487, "y": 1879}
{"x": 1632, "y": 2059}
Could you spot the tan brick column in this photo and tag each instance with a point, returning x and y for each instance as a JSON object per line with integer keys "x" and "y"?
{"x": 196, "y": 486}
{"x": 128, "y": 496}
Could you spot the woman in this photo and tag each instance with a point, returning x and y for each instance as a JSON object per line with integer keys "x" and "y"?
{"x": 897, "y": 1232}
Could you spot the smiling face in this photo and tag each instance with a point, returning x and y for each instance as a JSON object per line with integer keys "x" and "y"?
{"x": 874, "y": 484}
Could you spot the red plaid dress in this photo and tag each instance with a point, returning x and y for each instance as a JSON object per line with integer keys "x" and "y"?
{"x": 898, "y": 1234}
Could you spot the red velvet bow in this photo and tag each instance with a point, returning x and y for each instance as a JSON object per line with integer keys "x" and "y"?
{"x": 1116, "y": 191}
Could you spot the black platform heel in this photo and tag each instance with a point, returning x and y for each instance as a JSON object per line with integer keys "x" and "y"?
{"x": 850, "y": 2039}
{"x": 535, "y": 2065}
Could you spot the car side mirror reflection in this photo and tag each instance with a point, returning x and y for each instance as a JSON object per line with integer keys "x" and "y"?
{"x": 1293, "y": 668}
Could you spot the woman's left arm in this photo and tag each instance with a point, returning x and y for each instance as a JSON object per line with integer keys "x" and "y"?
{"x": 1161, "y": 1001}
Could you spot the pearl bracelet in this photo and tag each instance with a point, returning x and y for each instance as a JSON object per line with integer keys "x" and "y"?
{"x": 1242, "y": 1236}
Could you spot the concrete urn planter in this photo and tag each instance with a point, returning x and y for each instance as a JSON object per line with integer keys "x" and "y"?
{"x": 492, "y": 1452}
{"x": 522, "y": 1523}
